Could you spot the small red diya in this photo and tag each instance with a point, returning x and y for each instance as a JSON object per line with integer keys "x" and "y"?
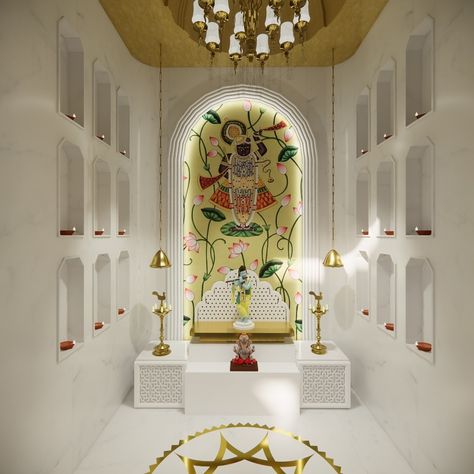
{"x": 363, "y": 152}
{"x": 67, "y": 231}
{"x": 423, "y": 231}
{"x": 389, "y": 326}
{"x": 423, "y": 346}
{"x": 364, "y": 232}
{"x": 71, "y": 116}
{"x": 386, "y": 136}
{"x": 365, "y": 312}
{"x": 122, "y": 232}
{"x": 389, "y": 232}
{"x": 99, "y": 232}
{"x": 121, "y": 311}
{"x": 98, "y": 325}
{"x": 101, "y": 137}
{"x": 417, "y": 115}
{"x": 123, "y": 152}
{"x": 66, "y": 345}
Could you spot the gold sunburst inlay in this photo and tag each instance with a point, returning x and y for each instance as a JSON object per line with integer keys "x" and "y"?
{"x": 191, "y": 464}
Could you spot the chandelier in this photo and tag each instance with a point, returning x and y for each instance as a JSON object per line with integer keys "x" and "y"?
{"x": 250, "y": 37}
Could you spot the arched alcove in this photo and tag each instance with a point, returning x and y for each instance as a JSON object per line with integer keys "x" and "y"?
{"x": 307, "y": 271}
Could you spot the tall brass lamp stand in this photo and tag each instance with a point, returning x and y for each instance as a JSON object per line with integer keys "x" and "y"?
{"x": 161, "y": 311}
{"x": 318, "y": 311}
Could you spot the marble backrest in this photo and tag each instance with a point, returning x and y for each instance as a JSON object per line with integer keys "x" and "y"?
{"x": 266, "y": 304}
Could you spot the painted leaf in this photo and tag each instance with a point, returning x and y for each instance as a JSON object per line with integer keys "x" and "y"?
{"x": 299, "y": 325}
{"x": 270, "y": 268}
{"x": 212, "y": 117}
{"x": 213, "y": 214}
{"x": 287, "y": 153}
{"x": 186, "y": 320}
{"x": 232, "y": 230}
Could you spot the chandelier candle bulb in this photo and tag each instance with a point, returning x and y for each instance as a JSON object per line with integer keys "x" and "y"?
{"x": 239, "y": 27}
{"x": 287, "y": 37}
{"x": 302, "y": 19}
{"x": 199, "y": 20}
{"x": 272, "y": 22}
{"x": 213, "y": 40}
{"x": 221, "y": 11}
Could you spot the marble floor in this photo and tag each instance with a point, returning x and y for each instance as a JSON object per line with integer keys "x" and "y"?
{"x": 134, "y": 438}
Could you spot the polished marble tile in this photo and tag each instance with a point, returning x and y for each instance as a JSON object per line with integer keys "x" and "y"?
{"x": 134, "y": 438}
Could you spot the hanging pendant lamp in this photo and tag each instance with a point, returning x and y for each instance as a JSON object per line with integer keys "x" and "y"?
{"x": 333, "y": 258}
{"x": 160, "y": 259}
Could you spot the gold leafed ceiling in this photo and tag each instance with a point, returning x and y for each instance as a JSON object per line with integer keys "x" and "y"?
{"x": 144, "y": 24}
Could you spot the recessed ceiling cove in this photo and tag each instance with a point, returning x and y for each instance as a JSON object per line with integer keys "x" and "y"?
{"x": 144, "y": 24}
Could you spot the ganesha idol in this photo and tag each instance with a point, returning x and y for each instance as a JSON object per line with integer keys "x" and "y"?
{"x": 244, "y": 360}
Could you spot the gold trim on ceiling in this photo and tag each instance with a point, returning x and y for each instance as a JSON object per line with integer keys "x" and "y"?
{"x": 144, "y": 24}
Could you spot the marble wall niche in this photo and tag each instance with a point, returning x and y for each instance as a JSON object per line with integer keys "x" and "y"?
{"x": 70, "y": 306}
{"x": 386, "y": 97}
{"x": 102, "y": 293}
{"x": 363, "y": 285}
{"x": 386, "y": 294}
{"x": 102, "y": 103}
{"x": 386, "y": 185}
{"x": 419, "y": 71}
{"x": 362, "y": 203}
{"x": 123, "y": 123}
{"x": 419, "y": 190}
{"x": 71, "y": 73}
{"x": 420, "y": 307}
{"x": 123, "y": 203}
{"x": 123, "y": 284}
{"x": 102, "y": 199}
{"x": 363, "y": 123}
{"x": 71, "y": 190}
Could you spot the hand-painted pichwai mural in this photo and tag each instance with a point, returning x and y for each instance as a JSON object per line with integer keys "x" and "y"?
{"x": 242, "y": 202}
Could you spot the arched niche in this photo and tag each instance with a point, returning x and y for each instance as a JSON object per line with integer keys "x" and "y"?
{"x": 362, "y": 203}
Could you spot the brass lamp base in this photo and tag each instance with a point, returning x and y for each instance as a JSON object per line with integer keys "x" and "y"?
{"x": 162, "y": 349}
{"x": 318, "y": 348}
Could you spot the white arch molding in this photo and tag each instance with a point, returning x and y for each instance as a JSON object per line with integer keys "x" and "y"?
{"x": 310, "y": 260}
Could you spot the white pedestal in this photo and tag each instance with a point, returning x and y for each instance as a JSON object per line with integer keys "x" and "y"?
{"x": 211, "y": 389}
{"x": 159, "y": 381}
{"x": 325, "y": 379}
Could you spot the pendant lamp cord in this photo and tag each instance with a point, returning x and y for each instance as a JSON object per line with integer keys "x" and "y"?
{"x": 333, "y": 187}
{"x": 161, "y": 149}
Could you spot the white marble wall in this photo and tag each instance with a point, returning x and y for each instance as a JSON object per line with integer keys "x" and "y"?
{"x": 425, "y": 408}
{"x": 50, "y": 412}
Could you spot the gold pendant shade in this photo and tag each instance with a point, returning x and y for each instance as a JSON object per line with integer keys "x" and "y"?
{"x": 333, "y": 259}
{"x": 160, "y": 260}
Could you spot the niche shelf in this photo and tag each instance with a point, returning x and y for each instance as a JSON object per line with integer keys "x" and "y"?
{"x": 102, "y": 199}
{"x": 102, "y": 104}
{"x": 71, "y": 190}
{"x": 102, "y": 293}
{"x": 71, "y": 73}
{"x": 123, "y": 203}
{"x": 362, "y": 285}
{"x": 123, "y": 284}
{"x": 420, "y": 307}
{"x": 419, "y": 71}
{"x": 362, "y": 203}
{"x": 386, "y": 284}
{"x": 363, "y": 123}
{"x": 419, "y": 190}
{"x": 386, "y": 186}
{"x": 70, "y": 306}
{"x": 123, "y": 124}
{"x": 386, "y": 102}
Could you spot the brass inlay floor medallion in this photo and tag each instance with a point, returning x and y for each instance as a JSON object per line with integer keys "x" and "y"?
{"x": 249, "y": 449}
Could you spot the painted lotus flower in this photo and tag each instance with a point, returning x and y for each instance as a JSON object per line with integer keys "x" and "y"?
{"x": 191, "y": 278}
{"x": 214, "y": 141}
{"x": 298, "y": 297}
{"x": 238, "y": 248}
{"x": 298, "y": 210}
{"x": 191, "y": 243}
{"x": 288, "y": 135}
{"x": 281, "y": 230}
{"x": 198, "y": 199}
{"x": 188, "y": 294}
{"x": 223, "y": 270}
{"x": 285, "y": 200}
{"x": 294, "y": 273}
{"x": 253, "y": 265}
{"x": 281, "y": 168}
{"x": 212, "y": 153}
{"x": 247, "y": 105}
